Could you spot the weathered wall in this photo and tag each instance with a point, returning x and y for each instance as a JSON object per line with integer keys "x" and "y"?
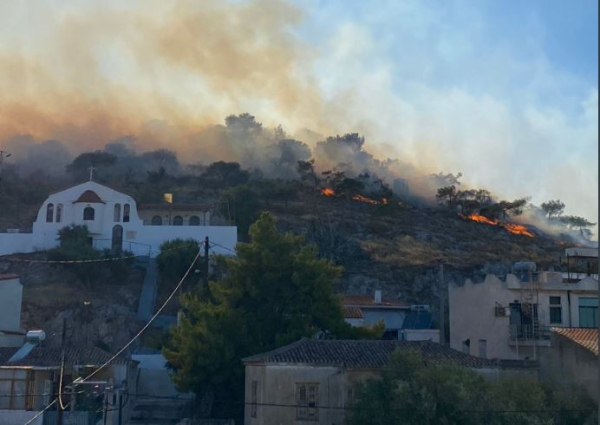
{"x": 472, "y": 313}
{"x": 568, "y": 362}
{"x": 11, "y": 297}
{"x": 16, "y": 243}
{"x": 277, "y": 386}
{"x": 421, "y": 335}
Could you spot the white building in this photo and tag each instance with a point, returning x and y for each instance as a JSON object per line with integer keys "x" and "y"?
{"x": 511, "y": 318}
{"x": 113, "y": 222}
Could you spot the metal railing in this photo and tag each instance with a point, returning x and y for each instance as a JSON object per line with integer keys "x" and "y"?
{"x": 529, "y": 332}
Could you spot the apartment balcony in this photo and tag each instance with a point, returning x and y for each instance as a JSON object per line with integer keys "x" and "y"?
{"x": 529, "y": 335}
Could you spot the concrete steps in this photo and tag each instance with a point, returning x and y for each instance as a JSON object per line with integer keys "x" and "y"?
{"x": 158, "y": 411}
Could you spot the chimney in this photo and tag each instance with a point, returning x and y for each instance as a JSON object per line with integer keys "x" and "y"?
{"x": 377, "y": 296}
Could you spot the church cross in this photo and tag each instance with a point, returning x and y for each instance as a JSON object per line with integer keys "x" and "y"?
{"x": 92, "y": 169}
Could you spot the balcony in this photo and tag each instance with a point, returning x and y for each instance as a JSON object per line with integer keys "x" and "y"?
{"x": 526, "y": 335}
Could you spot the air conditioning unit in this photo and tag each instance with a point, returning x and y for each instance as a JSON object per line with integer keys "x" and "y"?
{"x": 502, "y": 311}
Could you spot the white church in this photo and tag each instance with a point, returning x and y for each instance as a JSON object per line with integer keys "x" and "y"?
{"x": 114, "y": 222}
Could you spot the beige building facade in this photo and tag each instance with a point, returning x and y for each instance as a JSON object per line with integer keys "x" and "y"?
{"x": 511, "y": 318}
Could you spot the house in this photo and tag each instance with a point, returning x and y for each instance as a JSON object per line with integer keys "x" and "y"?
{"x": 115, "y": 222}
{"x": 511, "y": 317}
{"x": 11, "y": 295}
{"x": 402, "y": 320}
{"x": 312, "y": 381}
{"x": 29, "y": 380}
{"x": 572, "y": 358}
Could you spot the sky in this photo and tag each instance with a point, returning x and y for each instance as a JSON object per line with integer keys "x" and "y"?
{"x": 505, "y": 92}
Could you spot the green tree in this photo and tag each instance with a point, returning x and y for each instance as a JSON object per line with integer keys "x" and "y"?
{"x": 553, "y": 208}
{"x": 275, "y": 291}
{"x": 79, "y": 168}
{"x": 242, "y": 204}
{"x": 412, "y": 390}
{"x": 220, "y": 175}
{"x": 76, "y": 246}
{"x": 447, "y": 195}
{"x": 576, "y": 222}
{"x": 175, "y": 257}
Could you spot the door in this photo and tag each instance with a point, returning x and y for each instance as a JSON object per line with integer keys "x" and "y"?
{"x": 117, "y": 238}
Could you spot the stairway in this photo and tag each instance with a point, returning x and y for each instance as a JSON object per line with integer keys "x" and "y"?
{"x": 159, "y": 411}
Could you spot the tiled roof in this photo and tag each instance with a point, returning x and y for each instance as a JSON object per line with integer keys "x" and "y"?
{"x": 586, "y": 337}
{"x": 353, "y": 313}
{"x": 89, "y": 197}
{"x": 362, "y": 353}
{"x": 417, "y": 320}
{"x": 9, "y": 276}
{"x": 369, "y": 301}
{"x": 49, "y": 357}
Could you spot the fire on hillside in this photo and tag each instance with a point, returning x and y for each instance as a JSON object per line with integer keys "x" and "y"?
{"x": 330, "y": 193}
{"x": 517, "y": 229}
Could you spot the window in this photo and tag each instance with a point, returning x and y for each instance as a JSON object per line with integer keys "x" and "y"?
{"x": 253, "y": 406}
{"x": 555, "y": 310}
{"x": 117, "y": 217}
{"x": 588, "y": 312}
{"x": 466, "y": 346}
{"x": 178, "y": 220}
{"x": 483, "y": 348}
{"x": 50, "y": 213}
{"x": 194, "y": 220}
{"x": 307, "y": 400}
{"x": 157, "y": 220}
{"x": 89, "y": 214}
{"x": 59, "y": 210}
{"x": 126, "y": 211}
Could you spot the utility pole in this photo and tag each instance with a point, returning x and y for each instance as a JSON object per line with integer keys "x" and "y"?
{"x": 442, "y": 306}
{"x": 206, "y": 248}
{"x": 3, "y": 154}
{"x": 62, "y": 373}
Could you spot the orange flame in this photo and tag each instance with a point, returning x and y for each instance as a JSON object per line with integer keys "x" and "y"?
{"x": 517, "y": 229}
{"x": 361, "y": 198}
{"x": 329, "y": 192}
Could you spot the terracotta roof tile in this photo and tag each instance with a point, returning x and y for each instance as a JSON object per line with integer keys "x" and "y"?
{"x": 586, "y": 337}
{"x": 89, "y": 197}
{"x": 362, "y": 353}
{"x": 369, "y": 301}
{"x": 8, "y": 276}
{"x": 353, "y": 313}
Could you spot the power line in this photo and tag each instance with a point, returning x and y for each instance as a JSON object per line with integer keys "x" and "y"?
{"x": 98, "y": 260}
{"x": 146, "y": 326}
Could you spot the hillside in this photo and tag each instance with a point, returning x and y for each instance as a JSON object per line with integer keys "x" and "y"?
{"x": 398, "y": 247}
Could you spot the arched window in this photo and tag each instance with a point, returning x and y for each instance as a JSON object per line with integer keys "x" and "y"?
{"x": 117, "y": 217}
{"x": 50, "y": 213}
{"x": 194, "y": 220}
{"x": 59, "y": 210}
{"x": 88, "y": 214}
{"x": 126, "y": 211}
{"x": 157, "y": 220}
{"x": 178, "y": 220}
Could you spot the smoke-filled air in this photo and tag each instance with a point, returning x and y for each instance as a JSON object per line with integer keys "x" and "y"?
{"x": 268, "y": 83}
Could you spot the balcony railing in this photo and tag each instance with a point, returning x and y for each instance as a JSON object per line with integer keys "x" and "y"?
{"x": 529, "y": 332}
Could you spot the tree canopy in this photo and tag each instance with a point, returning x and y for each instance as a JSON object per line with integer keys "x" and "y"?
{"x": 275, "y": 291}
{"x": 413, "y": 391}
